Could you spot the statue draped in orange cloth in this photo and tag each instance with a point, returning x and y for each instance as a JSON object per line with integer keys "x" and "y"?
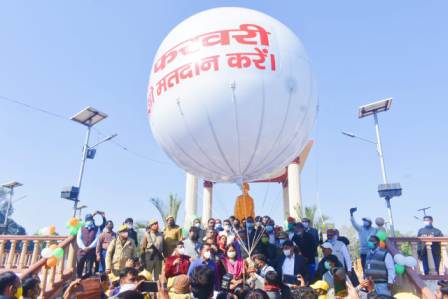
{"x": 244, "y": 205}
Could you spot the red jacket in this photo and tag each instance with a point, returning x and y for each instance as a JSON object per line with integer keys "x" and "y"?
{"x": 180, "y": 268}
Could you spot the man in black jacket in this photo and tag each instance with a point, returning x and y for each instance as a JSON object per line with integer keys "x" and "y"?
{"x": 307, "y": 246}
{"x": 291, "y": 263}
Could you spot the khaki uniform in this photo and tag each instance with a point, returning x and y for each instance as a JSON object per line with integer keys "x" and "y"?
{"x": 171, "y": 237}
{"x": 118, "y": 253}
{"x": 153, "y": 259}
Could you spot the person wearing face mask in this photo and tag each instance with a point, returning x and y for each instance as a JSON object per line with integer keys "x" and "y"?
{"x": 233, "y": 264}
{"x": 364, "y": 232}
{"x": 129, "y": 222}
{"x": 380, "y": 267}
{"x": 282, "y": 237}
{"x": 120, "y": 252}
{"x": 267, "y": 249}
{"x": 429, "y": 231}
{"x": 178, "y": 263}
{"x": 205, "y": 259}
{"x": 172, "y": 234}
{"x": 218, "y": 226}
{"x": 291, "y": 224}
{"x": 103, "y": 243}
{"x": 128, "y": 281}
{"x": 330, "y": 265}
{"x": 227, "y": 231}
{"x": 10, "y": 286}
{"x": 152, "y": 249}
{"x": 87, "y": 239}
{"x": 327, "y": 250}
{"x": 198, "y": 225}
{"x": 269, "y": 228}
{"x": 307, "y": 245}
{"x": 339, "y": 250}
{"x": 191, "y": 244}
{"x": 310, "y": 230}
{"x": 290, "y": 263}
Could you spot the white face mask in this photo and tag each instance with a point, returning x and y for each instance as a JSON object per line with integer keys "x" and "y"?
{"x": 226, "y": 227}
{"x": 181, "y": 250}
{"x": 197, "y": 224}
{"x": 287, "y": 252}
{"x": 130, "y": 226}
{"x": 128, "y": 287}
{"x": 207, "y": 255}
{"x": 231, "y": 254}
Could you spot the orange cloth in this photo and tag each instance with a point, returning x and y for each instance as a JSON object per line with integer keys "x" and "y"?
{"x": 244, "y": 207}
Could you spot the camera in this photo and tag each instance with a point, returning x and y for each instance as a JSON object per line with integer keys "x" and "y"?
{"x": 226, "y": 279}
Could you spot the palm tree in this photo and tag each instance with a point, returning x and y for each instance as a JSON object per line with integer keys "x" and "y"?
{"x": 171, "y": 210}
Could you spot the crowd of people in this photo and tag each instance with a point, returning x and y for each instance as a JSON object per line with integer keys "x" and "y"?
{"x": 230, "y": 258}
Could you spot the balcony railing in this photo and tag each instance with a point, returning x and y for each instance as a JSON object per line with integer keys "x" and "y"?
{"x": 22, "y": 254}
{"x": 425, "y": 244}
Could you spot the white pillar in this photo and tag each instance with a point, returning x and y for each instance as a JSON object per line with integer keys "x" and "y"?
{"x": 294, "y": 188}
{"x": 191, "y": 198}
{"x": 285, "y": 199}
{"x": 207, "y": 199}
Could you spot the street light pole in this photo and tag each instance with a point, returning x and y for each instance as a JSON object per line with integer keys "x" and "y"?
{"x": 379, "y": 148}
{"x": 385, "y": 190}
{"x": 83, "y": 164}
{"x": 383, "y": 171}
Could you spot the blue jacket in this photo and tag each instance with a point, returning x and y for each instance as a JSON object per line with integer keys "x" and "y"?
{"x": 364, "y": 234}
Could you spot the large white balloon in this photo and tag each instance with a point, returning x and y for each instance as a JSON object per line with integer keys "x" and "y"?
{"x": 231, "y": 95}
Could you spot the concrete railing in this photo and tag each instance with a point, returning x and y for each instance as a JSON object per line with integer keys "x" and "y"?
{"x": 425, "y": 246}
{"x": 22, "y": 254}
{"x": 415, "y": 279}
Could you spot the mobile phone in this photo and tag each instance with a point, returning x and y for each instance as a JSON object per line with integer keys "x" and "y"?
{"x": 148, "y": 287}
{"x": 290, "y": 279}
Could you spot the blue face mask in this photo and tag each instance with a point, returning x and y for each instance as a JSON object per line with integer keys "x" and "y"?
{"x": 291, "y": 226}
{"x": 269, "y": 229}
{"x": 371, "y": 245}
{"x": 249, "y": 224}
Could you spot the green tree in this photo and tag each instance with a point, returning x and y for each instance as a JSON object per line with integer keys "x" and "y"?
{"x": 166, "y": 209}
